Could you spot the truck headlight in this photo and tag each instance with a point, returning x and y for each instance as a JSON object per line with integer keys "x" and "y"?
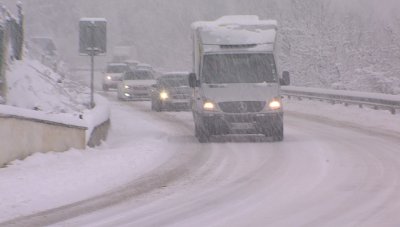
{"x": 164, "y": 95}
{"x": 126, "y": 87}
{"x": 109, "y": 77}
{"x": 127, "y": 95}
{"x": 275, "y": 105}
{"x": 209, "y": 106}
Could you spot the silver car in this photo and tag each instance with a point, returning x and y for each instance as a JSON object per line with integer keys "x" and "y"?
{"x": 136, "y": 85}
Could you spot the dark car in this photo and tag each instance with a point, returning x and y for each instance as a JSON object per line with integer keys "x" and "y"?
{"x": 171, "y": 92}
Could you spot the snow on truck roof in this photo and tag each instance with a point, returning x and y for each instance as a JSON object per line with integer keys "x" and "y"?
{"x": 236, "y": 30}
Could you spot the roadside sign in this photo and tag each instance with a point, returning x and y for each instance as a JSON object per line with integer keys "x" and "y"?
{"x": 92, "y": 42}
{"x": 92, "y": 36}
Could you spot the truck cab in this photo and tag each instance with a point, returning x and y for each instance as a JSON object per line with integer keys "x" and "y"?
{"x": 235, "y": 79}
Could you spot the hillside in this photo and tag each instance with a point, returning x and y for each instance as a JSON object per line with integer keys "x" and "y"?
{"x": 34, "y": 86}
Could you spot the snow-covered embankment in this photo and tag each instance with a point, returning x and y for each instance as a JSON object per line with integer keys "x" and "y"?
{"x": 45, "y": 112}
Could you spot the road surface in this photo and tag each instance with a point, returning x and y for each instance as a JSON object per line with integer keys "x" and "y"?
{"x": 325, "y": 173}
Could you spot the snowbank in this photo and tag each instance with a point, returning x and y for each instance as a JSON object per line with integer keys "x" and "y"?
{"x": 97, "y": 117}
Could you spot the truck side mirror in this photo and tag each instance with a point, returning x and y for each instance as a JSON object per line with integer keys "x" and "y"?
{"x": 285, "y": 80}
{"x": 193, "y": 80}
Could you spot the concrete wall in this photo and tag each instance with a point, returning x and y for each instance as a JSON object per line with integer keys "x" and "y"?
{"x": 21, "y": 137}
{"x": 99, "y": 134}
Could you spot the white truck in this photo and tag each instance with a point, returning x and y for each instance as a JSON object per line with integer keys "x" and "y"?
{"x": 235, "y": 78}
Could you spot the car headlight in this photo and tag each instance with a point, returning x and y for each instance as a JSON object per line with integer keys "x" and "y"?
{"x": 126, "y": 87}
{"x": 127, "y": 95}
{"x": 275, "y": 105}
{"x": 210, "y": 106}
{"x": 109, "y": 77}
{"x": 164, "y": 95}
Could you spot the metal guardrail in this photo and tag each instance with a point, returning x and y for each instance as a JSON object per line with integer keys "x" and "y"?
{"x": 376, "y": 101}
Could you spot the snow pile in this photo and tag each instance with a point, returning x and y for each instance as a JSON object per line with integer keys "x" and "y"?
{"x": 96, "y": 116}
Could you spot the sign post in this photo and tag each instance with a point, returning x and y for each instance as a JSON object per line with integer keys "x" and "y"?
{"x": 92, "y": 42}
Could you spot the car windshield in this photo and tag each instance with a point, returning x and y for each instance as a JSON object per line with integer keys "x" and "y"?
{"x": 116, "y": 68}
{"x": 174, "y": 81}
{"x": 239, "y": 68}
{"x": 139, "y": 75}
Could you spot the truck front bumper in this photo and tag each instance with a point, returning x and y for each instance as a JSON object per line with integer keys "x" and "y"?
{"x": 252, "y": 123}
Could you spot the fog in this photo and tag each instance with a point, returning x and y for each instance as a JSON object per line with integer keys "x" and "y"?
{"x": 346, "y": 44}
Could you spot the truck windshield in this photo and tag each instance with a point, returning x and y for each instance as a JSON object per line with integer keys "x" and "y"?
{"x": 239, "y": 68}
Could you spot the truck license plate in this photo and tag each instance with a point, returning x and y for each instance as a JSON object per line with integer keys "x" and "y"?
{"x": 242, "y": 126}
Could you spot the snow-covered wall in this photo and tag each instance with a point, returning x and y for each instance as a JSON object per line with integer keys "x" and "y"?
{"x": 24, "y": 132}
{"x": 46, "y": 112}
{"x": 21, "y": 137}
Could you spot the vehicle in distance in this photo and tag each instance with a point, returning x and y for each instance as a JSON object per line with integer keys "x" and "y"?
{"x": 113, "y": 75}
{"x": 235, "y": 80}
{"x": 171, "y": 92}
{"x": 136, "y": 85}
{"x": 132, "y": 64}
{"x": 143, "y": 66}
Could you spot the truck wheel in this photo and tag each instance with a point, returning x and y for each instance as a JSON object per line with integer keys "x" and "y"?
{"x": 156, "y": 106}
{"x": 201, "y": 134}
{"x": 277, "y": 132}
{"x": 120, "y": 98}
{"x": 105, "y": 87}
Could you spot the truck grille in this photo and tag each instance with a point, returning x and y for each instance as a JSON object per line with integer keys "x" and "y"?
{"x": 139, "y": 88}
{"x": 180, "y": 96}
{"x": 242, "y": 107}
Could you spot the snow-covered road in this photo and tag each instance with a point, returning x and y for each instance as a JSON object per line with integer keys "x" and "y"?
{"x": 325, "y": 173}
